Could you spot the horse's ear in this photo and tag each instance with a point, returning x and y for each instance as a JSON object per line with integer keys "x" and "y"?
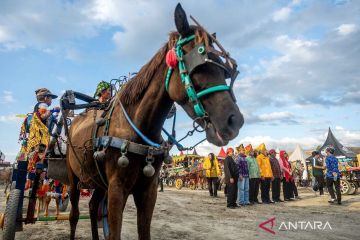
{"x": 181, "y": 21}
{"x": 214, "y": 35}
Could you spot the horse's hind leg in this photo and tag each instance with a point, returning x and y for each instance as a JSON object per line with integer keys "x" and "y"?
{"x": 145, "y": 202}
{"x": 74, "y": 199}
{"x": 97, "y": 196}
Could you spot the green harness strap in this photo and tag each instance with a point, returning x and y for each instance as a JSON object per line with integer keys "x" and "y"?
{"x": 186, "y": 80}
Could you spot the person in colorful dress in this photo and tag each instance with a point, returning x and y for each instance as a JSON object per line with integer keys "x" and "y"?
{"x": 277, "y": 176}
{"x": 265, "y": 173}
{"x": 231, "y": 178}
{"x": 103, "y": 92}
{"x": 243, "y": 182}
{"x": 211, "y": 165}
{"x": 39, "y": 135}
{"x": 287, "y": 177}
{"x": 333, "y": 176}
{"x": 254, "y": 175}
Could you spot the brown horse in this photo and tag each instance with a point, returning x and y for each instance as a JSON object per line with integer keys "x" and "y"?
{"x": 5, "y": 177}
{"x": 147, "y": 103}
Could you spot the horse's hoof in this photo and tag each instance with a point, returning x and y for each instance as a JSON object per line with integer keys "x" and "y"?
{"x": 123, "y": 161}
{"x": 149, "y": 170}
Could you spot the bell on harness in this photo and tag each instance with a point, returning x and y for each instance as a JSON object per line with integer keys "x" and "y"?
{"x": 99, "y": 155}
{"x": 149, "y": 170}
{"x": 123, "y": 161}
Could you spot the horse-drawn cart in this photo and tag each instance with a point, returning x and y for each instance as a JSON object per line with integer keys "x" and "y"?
{"x": 350, "y": 181}
{"x": 187, "y": 172}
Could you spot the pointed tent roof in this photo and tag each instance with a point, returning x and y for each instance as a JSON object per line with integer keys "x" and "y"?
{"x": 340, "y": 150}
{"x": 222, "y": 153}
{"x": 194, "y": 152}
{"x": 298, "y": 154}
{"x": 181, "y": 153}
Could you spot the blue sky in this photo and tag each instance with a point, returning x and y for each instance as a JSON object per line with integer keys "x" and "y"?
{"x": 299, "y": 60}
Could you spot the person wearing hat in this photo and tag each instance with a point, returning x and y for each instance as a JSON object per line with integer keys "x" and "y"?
{"x": 265, "y": 173}
{"x": 39, "y": 133}
{"x": 243, "y": 182}
{"x": 254, "y": 174}
{"x": 333, "y": 176}
{"x": 277, "y": 176}
{"x": 231, "y": 178}
{"x": 103, "y": 91}
{"x": 211, "y": 165}
{"x": 318, "y": 171}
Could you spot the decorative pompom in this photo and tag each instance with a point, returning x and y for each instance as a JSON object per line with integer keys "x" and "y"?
{"x": 171, "y": 59}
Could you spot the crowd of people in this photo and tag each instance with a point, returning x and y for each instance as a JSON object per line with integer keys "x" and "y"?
{"x": 248, "y": 172}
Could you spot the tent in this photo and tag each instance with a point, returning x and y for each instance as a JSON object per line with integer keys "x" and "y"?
{"x": 222, "y": 154}
{"x": 298, "y": 154}
{"x": 340, "y": 150}
{"x": 2, "y": 156}
{"x": 195, "y": 153}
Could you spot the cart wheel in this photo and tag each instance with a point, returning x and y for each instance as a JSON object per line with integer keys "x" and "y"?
{"x": 178, "y": 184}
{"x": 13, "y": 185}
{"x": 10, "y": 215}
{"x": 352, "y": 189}
{"x": 63, "y": 204}
{"x": 345, "y": 187}
{"x": 192, "y": 185}
{"x": 1, "y": 220}
{"x": 7, "y": 197}
{"x": 171, "y": 183}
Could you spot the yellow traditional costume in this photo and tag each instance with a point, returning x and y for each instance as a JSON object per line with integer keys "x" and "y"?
{"x": 264, "y": 162}
{"x": 213, "y": 171}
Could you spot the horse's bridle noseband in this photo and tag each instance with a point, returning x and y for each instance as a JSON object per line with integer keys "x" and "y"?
{"x": 198, "y": 56}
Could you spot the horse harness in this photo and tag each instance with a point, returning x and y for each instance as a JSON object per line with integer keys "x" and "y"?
{"x": 187, "y": 64}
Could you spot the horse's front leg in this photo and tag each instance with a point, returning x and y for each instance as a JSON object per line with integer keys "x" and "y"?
{"x": 117, "y": 197}
{"x": 94, "y": 203}
{"x": 145, "y": 202}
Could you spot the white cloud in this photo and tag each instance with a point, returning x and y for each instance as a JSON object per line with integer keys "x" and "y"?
{"x": 347, "y": 137}
{"x": 272, "y": 118}
{"x": 4, "y": 35}
{"x": 11, "y": 118}
{"x": 346, "y": 29}
{"x": 7, "y": 97}
{"x": 275, "y": 116}
{"x": 282, "y": 14}
{"x": 286, "y": 143}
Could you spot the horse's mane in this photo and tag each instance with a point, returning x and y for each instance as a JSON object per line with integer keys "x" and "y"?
{"x": 133, "y": 90}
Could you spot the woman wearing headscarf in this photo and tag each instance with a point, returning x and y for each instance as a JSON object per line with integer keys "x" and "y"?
{"x": 265, "y": 173}
{"x": 211, "y": 165}
{"x": 254, "y": 174}
{"x": 286, "y": 169}
{"x": 277, "y": 174}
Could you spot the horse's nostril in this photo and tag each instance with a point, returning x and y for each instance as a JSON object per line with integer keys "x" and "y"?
{"x": 231, "y": 119}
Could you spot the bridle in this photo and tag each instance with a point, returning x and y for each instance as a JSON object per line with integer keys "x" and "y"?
{"x": 197, "y": 57}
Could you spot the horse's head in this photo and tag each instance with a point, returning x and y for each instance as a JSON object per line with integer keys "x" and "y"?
{"x": 199, "y": 81}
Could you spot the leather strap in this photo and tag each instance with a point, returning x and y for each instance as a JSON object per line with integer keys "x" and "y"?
{"x": 115, "y": 142}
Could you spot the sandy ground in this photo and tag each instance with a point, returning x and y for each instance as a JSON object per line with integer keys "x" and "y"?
{"x": 187, "y": 214}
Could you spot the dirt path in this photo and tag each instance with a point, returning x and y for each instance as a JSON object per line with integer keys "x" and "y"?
{"x": 187, "y": 214}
